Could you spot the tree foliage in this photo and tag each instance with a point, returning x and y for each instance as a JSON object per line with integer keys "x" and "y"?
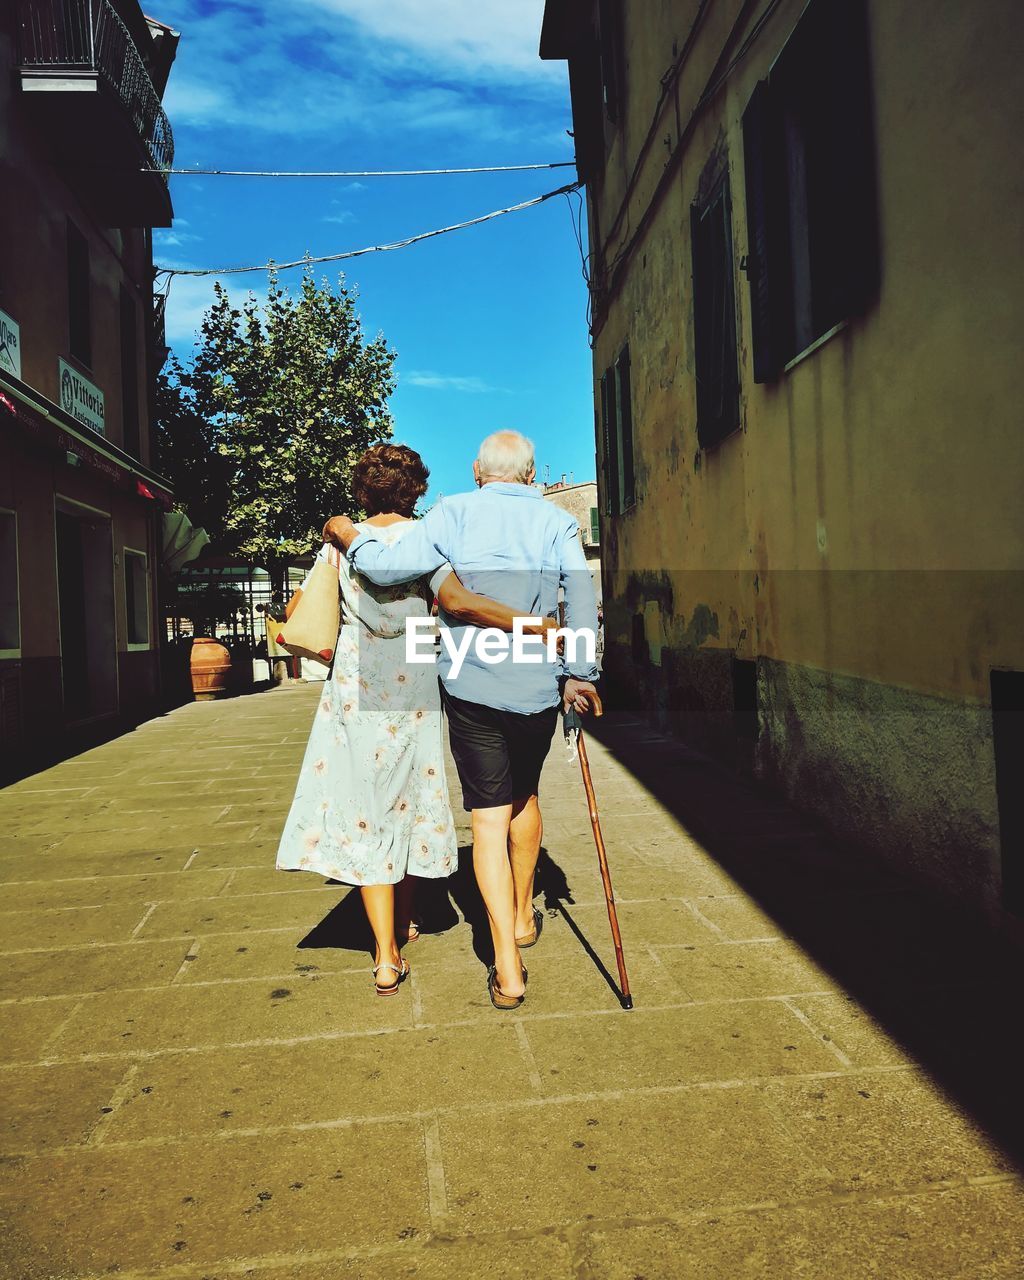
{"x": 260, "y": 429}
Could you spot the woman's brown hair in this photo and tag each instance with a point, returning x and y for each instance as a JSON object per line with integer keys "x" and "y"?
{"x": 389, "y": 477}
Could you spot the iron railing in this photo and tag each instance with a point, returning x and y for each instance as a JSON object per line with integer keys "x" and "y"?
{"x": 89, "y": 35}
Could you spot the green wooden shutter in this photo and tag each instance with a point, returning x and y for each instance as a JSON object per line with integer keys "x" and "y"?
{"x": 610, "y": 439}
{"x": 714, "y": 316}
{"x": 846, "y": 229}
{"x": 768, "y": 267}
{"x": 624, "y": 407}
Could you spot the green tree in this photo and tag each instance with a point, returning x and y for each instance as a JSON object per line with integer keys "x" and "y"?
{"x": 260, "y": 429}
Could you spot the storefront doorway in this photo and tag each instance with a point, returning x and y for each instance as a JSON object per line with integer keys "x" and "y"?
{"x": 85, "y": 584}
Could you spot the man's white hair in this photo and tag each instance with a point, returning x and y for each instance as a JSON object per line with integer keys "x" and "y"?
{"x": 506, "y": 455}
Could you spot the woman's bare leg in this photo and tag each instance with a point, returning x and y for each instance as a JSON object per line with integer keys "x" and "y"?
{"x": 404, "y": 906}
{"x": 379, "y": 901}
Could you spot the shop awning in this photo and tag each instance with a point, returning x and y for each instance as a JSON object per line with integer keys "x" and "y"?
{"x": 182, "y": 542}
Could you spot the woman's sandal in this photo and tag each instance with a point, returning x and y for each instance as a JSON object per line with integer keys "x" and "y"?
{"x": 531, "y": 939}
{"x": 389, "y": 988}
{"x": 412, "y": 934}
{"x": 498, "y": 998}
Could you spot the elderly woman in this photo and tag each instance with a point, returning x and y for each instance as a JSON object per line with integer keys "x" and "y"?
{"x": 371, "y": 805}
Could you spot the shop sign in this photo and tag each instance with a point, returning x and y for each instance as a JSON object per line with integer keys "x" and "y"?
{"x": 81, "y": 398}
{"x": 10, "y": 345}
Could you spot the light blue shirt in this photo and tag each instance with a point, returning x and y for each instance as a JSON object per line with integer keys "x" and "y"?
{"x": 506, "y": 542}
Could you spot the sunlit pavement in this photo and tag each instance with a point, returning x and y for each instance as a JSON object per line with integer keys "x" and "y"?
{"x": 198, "y": 1080}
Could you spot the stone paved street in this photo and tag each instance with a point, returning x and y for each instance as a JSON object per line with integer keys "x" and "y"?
{"x": 818, "y": 1080}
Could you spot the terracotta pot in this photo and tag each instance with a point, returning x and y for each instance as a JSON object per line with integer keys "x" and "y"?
{"x": 210, "y": 664}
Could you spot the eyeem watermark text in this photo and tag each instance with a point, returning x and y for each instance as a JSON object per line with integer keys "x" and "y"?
{"x": 491, "y": 645}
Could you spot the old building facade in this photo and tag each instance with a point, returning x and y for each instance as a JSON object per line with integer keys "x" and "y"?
{"x": 805, "y": 261}
{"x": 80, "y": 503}
{"x": 580, "y": 500}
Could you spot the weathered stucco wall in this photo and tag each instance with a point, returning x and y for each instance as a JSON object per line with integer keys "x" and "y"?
{"x": 862, "y": 534}
{"x": 911, "y": 774}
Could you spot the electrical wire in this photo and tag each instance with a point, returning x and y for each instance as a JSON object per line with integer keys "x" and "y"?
{"x": 612, "y": 274}
{"x": 307, "y": 261}
{"x": 576, "y": 221}
{"x": 359, "y": 173}
{"x": 667, "y": 83}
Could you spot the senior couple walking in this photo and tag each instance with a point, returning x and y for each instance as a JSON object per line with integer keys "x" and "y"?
{"x": 371, "y": 806}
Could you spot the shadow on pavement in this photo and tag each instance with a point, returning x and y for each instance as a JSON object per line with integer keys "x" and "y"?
{"x": 937, "y": 979}
{"x": 346, "y": 928}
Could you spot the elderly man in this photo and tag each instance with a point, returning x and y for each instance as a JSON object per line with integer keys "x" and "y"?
{"x": 506, "y": 542}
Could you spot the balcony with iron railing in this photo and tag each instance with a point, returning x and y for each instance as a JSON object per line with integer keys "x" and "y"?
{"x": 85, "y": 78}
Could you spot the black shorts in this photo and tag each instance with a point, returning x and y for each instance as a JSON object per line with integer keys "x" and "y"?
{"x": 499, "y": 754}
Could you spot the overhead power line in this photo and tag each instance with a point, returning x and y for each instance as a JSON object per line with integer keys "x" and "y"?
{"x": 170, "y": 272}
{"x": 360, "y": 173}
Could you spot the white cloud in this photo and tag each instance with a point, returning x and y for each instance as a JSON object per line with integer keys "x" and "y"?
{"x": 482, "y": 39}
{"x": 338, "y": 214}
{"x": 190, "y": 298}
{"x": 445, "y": 382}
{"x": 190, "y": 102}
{"x": 164, "y": 238}
{"x": 461, "y": 67}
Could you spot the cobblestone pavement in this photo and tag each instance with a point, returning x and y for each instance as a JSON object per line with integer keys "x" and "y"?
{"x": 199, "y": 1082}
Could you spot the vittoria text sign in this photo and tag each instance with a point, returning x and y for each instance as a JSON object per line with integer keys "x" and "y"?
{"x": 10, "y": 345}
{"x": 81, "y": 398}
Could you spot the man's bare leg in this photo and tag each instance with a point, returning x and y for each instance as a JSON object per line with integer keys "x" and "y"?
{"x": 524, "y": 836}
{"x": 494, "y": 876}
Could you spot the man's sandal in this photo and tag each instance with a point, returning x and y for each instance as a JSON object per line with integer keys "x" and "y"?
{"x": 499, "y": 999}
{"x": 389, "y": 988}
{"x": 530, "y": 939}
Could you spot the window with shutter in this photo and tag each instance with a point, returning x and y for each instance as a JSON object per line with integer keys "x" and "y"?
{"x": 613, "y": 62}
{"x": 714, "y": 315}
{"x": 617, "y": 468}
{"x": 131, "y": 438}
{"x": 610, "y": 442}
{"x": 624, "y": 407}
{"x": 79, "y": 296}
{"x": 586, "y": 92}
{"x": 10, "y": 602}
{"x": 595, "y": 526}
{"x": 813, "y": 251}
{"x": 136, "y": 596}
{"x": 767, "y": 235}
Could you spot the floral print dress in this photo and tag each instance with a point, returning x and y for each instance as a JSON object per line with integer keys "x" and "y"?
{"x": 371, "y": 802}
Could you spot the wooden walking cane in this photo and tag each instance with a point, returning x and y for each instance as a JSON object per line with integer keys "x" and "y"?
{"x": 572, "y": 721}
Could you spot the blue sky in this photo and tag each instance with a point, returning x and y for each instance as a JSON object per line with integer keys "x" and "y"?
{"x": 488, "y": 323}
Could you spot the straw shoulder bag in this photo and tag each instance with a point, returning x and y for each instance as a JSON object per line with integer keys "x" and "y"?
{"x": 312, "y": 630}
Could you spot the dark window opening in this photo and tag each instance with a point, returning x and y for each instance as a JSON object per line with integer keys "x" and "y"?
{"x": 617, "y": 465}
{"x": 79, "y": 299}
{"x": 10, "y": 615}
{"x": 613, "y": 59}
{"x": 638, "y": 639}
{"x": 714, "y": 315}
{"x": 136, "y": 596}
{"x": 1008, "y": 744}
{"x": 627, "y": 476}
{"x": 808, "y": 139}
{"x": 744, "y": 698}
{"x": 131, "y": 437}
{"x": 609, "y": 443}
